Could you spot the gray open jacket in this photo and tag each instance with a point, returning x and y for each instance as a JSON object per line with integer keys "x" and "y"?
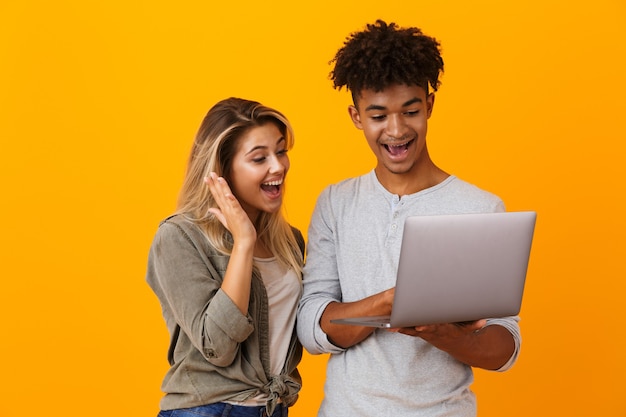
{"x": 216, "y": 353}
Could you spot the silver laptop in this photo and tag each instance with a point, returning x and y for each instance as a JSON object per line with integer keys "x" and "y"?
{"x": 458, "y": 268}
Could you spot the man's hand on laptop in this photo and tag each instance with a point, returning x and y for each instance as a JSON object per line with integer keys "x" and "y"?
{"x": 434, "y": 333}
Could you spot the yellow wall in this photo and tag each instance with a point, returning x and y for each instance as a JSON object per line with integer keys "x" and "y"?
{"x": 99, "y": 104}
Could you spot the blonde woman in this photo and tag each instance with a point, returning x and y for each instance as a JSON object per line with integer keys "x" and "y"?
{"x": 226, "y": 268}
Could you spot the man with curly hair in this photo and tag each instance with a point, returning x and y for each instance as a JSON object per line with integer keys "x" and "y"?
{"x": 354, "y": 244}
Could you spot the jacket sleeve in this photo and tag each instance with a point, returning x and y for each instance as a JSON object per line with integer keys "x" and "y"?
{"x": 187, "y": 282}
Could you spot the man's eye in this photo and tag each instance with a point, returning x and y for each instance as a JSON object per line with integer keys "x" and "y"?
{"x": 412, "y": 113}
{"x": 378, "y": 117}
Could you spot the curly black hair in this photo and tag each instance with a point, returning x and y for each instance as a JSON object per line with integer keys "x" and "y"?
{"x": 385, "y": 54}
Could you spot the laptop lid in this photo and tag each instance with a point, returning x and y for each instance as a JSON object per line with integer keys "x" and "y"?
{"x": 459, "y": 267}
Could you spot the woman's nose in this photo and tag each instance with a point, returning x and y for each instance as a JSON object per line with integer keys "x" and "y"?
{"x": 276, "y": 165}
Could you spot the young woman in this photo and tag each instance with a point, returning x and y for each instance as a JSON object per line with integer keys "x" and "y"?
{"x": 226, "y": 268}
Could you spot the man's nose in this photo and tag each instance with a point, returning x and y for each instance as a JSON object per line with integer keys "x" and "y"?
{"x": 396, "y": 127}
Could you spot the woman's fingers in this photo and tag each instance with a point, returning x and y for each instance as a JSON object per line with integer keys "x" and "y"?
{"x": 228, "y": 211}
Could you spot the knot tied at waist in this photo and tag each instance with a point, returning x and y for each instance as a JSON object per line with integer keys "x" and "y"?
{"x": 281, "y": 387}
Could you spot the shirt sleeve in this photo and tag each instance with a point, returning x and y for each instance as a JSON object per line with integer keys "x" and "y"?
{"x": 320, "y": 280}
{"x": 188, "y": 286}
{"x": 512, "y": 325}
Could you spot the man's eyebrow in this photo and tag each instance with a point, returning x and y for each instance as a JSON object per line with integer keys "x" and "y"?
{"x": 412, "y": 101}
{"x": 406, "y": 104}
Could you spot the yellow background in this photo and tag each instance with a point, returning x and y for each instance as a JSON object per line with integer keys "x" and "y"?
{"x": 99, "y": 105}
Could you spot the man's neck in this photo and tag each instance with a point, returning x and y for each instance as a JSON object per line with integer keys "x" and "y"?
{"x": 411, "y": 182}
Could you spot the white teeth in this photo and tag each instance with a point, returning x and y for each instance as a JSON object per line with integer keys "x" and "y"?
{"x": 273, "y": 182}
{"x": 404, "y": 145}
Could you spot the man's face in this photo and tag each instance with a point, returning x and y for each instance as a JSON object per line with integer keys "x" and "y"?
{"x": 394, "y": 122}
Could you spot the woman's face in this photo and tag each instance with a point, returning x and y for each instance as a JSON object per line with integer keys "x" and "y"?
{"x": 258, "y": 170}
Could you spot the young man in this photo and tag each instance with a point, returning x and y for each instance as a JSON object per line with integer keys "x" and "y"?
{"x": 354, "y": 244}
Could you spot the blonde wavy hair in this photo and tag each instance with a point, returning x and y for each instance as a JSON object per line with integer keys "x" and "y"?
{"x": 213, "y": 150}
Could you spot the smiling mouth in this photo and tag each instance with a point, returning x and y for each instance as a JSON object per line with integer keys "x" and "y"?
{"x": 272, "y": 186}
{"x": 398, "y": 149}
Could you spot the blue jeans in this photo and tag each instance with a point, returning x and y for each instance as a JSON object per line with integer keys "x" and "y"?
{"x": 225, "y": 410}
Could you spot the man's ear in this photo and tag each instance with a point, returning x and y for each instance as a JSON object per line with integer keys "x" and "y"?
{"x": 430, "y": 103}
{"x": 355, "y": 116}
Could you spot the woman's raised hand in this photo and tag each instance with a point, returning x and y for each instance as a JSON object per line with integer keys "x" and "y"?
{"x": 230, "y": 213}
